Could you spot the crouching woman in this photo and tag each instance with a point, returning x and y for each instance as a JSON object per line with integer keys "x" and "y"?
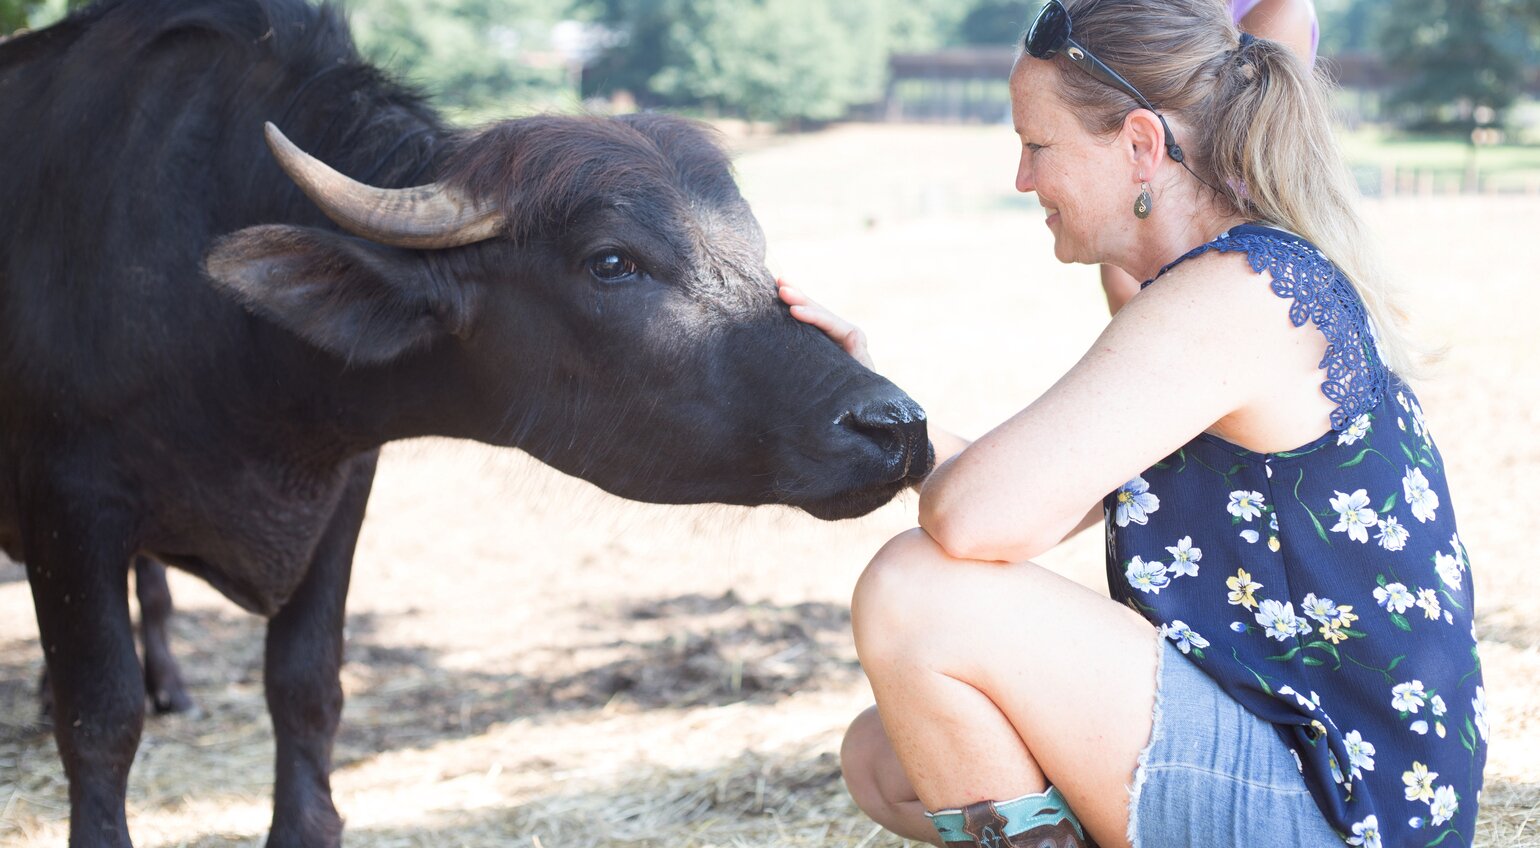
{"x": 1288, "y": 657}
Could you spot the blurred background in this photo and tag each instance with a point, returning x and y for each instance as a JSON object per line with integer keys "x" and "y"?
{"x": 1436, "y": 95}
{"x": 533, "y": 662}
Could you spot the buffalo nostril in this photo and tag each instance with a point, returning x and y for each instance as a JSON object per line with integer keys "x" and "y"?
{"x": 898, "y": 429}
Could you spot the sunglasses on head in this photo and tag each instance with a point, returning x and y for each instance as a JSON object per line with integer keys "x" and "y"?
{"x": 1051, "y": 32}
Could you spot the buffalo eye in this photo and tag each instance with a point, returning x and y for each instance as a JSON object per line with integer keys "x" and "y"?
{"x": 612, "y": 266}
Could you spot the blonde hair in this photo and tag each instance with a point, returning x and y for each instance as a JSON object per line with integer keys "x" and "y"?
{"x": 1255, "y": 125}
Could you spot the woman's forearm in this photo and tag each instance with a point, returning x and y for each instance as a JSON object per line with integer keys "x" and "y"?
{"x": 947, "y": 444}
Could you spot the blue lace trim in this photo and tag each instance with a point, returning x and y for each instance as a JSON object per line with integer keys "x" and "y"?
{"x": 1356, "y": 376}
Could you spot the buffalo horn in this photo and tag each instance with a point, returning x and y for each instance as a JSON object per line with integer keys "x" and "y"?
{"x": 428, "y": 216}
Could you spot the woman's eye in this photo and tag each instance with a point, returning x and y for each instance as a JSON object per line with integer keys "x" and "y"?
{"x": 612, "y": 266}
{"x": 1034, "y": 147}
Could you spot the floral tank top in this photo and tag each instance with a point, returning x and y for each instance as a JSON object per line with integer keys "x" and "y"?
{"x": 1324, "y": 588}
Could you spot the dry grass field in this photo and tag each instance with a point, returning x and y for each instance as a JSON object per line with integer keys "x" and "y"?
{"x": 532, "y": 662}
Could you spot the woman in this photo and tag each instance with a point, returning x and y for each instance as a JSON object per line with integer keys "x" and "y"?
{"x": 1292, "y": 658}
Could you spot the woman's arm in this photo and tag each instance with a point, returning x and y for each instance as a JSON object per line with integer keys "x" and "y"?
{"x": 1183, "y": 355}
{"x": 1289, "y": 22}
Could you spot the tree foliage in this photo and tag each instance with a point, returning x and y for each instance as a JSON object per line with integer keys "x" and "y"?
{"x": 782, "y": 60}
{"x": 995, "y": 22}
{"x": 17, "y": 14}
{"x": 1459, "y": 57}
{"x": 475, "y": 57}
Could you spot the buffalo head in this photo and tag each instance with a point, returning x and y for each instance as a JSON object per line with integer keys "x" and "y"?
{"x": 593, "y": 291}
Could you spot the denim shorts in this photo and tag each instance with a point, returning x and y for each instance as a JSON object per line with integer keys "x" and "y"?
{"x": 1216, "y": 776}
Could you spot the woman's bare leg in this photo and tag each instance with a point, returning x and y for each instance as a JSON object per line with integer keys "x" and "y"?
{"x": 996, "y": 680}
{"x": 877, "y": 782}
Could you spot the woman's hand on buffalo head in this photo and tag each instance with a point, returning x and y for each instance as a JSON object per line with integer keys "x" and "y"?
{"x": 845, "y": 334}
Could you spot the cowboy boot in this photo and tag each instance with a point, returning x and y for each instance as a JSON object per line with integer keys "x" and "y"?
{"x": 1032, "y": 821}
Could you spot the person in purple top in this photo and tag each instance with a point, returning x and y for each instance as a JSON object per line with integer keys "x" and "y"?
{"x": 1289, "y": 656}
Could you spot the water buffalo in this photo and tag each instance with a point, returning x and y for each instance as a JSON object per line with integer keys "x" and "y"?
{"x": 201, "y": 353}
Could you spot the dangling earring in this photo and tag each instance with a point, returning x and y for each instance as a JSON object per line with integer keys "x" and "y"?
{"x": 1143, "y": 203}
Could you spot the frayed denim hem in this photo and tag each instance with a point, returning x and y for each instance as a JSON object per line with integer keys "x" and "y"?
{"x": 1137, "y": 786}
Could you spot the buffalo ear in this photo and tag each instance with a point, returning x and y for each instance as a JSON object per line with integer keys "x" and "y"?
{"x": 365, "y": 302}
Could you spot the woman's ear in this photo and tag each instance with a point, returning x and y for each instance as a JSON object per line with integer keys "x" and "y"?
{"x": 1144, "y": 139}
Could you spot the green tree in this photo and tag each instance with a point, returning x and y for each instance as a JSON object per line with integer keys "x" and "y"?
{"x": 782, "y": 60}
{"x": 16, "y": 14}
{"x": 995, "y": 22}
{"x": 477, "y": 58}
{"x": 1460, "y": 58}
{"x": 1351, "y": 26}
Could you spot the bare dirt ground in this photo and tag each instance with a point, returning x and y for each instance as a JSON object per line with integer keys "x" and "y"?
{"x": 532, "y": 662}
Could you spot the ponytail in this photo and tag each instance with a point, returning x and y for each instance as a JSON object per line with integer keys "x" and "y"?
{"x": 1273, "y": 149}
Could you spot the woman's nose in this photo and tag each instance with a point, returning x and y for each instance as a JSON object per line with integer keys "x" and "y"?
{"x": 1024, "y": 180}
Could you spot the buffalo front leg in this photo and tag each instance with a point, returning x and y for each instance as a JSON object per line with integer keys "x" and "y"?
{"x": 162, "y": 677}
{"x": 304, "y": 690}
{"x": 77, "y": 566}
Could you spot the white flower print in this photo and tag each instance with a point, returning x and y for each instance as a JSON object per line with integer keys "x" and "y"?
{"x": 1428, "y": 600}
{"x": 1251, "y": 536}
{"x": 1459, "y": 551}
{"x": 1302, "y": 626}
{"x": 1443, "y": 805}
{"x": 1245, "y": 505}
{"x": 1401, "y": 399}
{"x": 1394, "y": 597}
{"x": 1419, "y": 782}
{"x": 1149, "y": 577}
{"x": 1242, "y": 589}
{"x": 1419, "y": 423}
{"x": 1279, "y": 620}
{"x": 1408, "y": 697}
{"x": 1401, "y": 422}
{"x": 1419, "y": 497}
{"x": 1355, "y": 516}
{"x": 1392, "y": 535}
{"x": 1320, "y": 609}
{"x": 1448, "y": 569}
{"x": 1336, "y": 770}
{"x": 1420, "y": 727}
{"x": 1135, "y": 503}
{"x": 1184, "y": 558}
{"x": 1360, "y": 753}
{"x": 1184, "y": 637}
{"x": 1366, "y": 833}
{"x": 1311, "y": 703}
{"x": 1479, "y": 705}
{"x": 1355, "y": 431}
{"x": 1438, "y": 705}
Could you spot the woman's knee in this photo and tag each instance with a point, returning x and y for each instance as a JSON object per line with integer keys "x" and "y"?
{"x": 894, "y": 596}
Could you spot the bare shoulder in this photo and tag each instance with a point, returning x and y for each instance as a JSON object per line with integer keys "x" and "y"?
{"x": 1218, "y": 291}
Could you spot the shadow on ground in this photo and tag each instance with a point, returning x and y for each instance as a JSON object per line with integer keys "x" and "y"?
{"x": 678, "y": 652}
{"x": 791, "y": 799}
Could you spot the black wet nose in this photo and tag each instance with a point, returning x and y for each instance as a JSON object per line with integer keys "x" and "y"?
{"x": 897, "y": 427}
